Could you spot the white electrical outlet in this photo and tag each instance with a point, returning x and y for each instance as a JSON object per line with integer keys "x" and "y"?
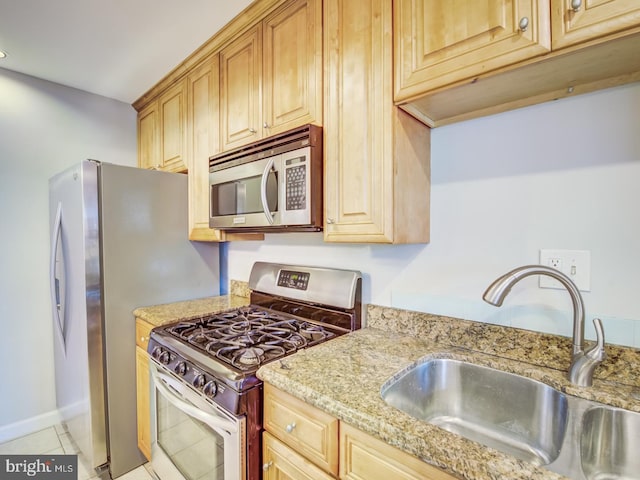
{"x": 555, "y": 262}
{"x": 576, "y": 264}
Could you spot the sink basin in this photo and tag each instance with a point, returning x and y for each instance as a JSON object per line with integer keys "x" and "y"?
{"x": 610, "y": 444}
{"x": 513, "y": 414}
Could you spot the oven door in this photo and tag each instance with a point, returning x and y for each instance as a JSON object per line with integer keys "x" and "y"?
{"x": 191, "y": 438}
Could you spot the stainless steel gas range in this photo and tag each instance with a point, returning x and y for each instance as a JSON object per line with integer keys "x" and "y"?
{"x": 206, "y": 400}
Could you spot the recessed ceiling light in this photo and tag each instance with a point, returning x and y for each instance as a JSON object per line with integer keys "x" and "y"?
{"x": 2, "y": 54}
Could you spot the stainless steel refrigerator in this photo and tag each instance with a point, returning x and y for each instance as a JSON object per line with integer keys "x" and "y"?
{"x": 118, "y": 242}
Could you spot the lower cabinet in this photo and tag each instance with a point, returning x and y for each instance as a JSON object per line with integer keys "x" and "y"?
{"x": 143, "y": 329}
{"x": 281, "y": 462}
{"x": 302, "y": 442}
{"x": 309, "y": 431}
{"x": 365, "y": 457}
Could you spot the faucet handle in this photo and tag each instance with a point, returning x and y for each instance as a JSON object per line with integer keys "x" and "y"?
{"x": 583, "y": 364}
{"x": 597, "y": 352}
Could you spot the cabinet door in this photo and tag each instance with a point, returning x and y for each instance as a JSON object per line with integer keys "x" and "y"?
{"x": 376, "y": 157}
{"x": 441, "y": 42}
{"x": 149, "y": 137}
{"x": 203, "y": 140}
{"x": 309, "y": 431}
{"x": 363, "y": 456}
{"x": 142, "y": 402}
{"x": 292, "y": 66}
{"x": 240, "y": 95}
{"x": 358, "y": 113}
{"x": 172, "y": 109}
{"x": 282, "y": 463}
{"x": 576, "y": 21}
{"x": 143, "y": 330}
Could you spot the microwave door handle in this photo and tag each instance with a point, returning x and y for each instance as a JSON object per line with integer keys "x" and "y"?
{"x": 263, "y": 191}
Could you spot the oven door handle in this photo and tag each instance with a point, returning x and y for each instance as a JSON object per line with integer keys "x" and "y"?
{"x": 161, "y": 381}
{"x": 263, "y": 190}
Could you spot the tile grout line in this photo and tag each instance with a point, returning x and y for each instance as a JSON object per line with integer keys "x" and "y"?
{"x": 24, "y": 445}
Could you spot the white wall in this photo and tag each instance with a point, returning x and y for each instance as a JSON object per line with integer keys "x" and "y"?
{"x": 564, "y": 174}
{"x": 559, "y": 175}
{"x": 44, "y": 128}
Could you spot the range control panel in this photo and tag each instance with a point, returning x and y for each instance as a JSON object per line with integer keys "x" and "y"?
{"x": 291, "y": 279}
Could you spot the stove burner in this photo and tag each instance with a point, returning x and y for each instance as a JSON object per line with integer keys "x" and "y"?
{"x": 250, "y": 356}
{"x": 250, "y": 336}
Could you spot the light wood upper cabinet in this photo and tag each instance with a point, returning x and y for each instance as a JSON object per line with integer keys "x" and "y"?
{"x": 240, "y": 81}
{"x": 172, "y": 108}
{"x": 462, "y": 59}
{"x": 203, "y": 140}
{"x": 575, "y": 21}
{"x": 271, "y": 76}
{"x": 161, "y": 131}
{"x": 148, "y": 137}
{"x": 439, "y": 42}
{"x": 377, "y": 179}
{"x": 292, "y": 78}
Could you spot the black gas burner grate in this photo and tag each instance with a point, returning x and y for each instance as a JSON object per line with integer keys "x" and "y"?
{"x": 250, "y": 336}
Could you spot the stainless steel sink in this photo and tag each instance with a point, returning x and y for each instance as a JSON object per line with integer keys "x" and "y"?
{"x": 610, "y": 444}
{"x": 510, "y": 413}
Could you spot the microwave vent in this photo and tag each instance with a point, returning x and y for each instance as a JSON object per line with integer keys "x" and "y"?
{"x": 307, "y": 135}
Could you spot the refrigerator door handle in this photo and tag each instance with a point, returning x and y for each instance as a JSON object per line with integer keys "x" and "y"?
{"x": 56, "y": 302}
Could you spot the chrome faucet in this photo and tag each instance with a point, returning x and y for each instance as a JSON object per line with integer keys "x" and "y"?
{"x": 582, "y": 363}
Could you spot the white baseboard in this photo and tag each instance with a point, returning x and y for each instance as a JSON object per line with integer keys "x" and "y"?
{"x": 29, "y": 425}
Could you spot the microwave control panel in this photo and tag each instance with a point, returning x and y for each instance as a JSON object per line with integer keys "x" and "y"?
{"x": 296, "y": 183}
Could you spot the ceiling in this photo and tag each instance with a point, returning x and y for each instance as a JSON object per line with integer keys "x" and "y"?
{"x": 114, "y": 48}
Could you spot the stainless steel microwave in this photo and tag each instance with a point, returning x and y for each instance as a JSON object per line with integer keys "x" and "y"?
{"x": 272, "y": 185}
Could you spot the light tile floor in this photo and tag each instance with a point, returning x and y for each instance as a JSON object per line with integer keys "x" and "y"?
{"x": 55, "y": 441}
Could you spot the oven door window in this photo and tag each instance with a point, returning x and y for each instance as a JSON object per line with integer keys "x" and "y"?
{"x": 192, "y": 439}
{"x": 194, "y": 448}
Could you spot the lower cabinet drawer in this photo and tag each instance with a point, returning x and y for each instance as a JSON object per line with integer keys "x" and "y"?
{"x": 280, "y": 462}
{"x": 307, "y": 430}
{"x": 365, "y": 457}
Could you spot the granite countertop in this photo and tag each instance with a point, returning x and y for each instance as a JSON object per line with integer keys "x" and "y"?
{"x": 343, "y": 377}
{"x": 172, "y": 312}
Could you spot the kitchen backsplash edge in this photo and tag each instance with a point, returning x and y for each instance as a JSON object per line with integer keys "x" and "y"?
{"x": 239, "y": 288}
{"x": 622, "y": 364}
